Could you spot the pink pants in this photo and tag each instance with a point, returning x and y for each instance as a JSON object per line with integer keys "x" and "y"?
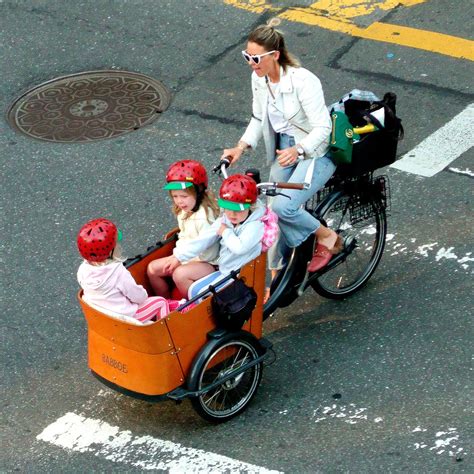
{"x": 151, "y": 307}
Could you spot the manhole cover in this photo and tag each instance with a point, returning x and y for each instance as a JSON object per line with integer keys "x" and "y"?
{"x": 89, "y": 106}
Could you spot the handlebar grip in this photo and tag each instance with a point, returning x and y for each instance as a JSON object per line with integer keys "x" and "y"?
{"x": 290, "y": 185}
{"x": 225, "y": 161}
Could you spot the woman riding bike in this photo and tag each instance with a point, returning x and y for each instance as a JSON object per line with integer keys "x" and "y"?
{"x": 290, "y": 113}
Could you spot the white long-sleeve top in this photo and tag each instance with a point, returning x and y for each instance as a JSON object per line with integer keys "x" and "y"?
{"x": 111, "y": 287}
{"x": 190, "y": 228}
{"x": 238, "y": 245}
{"x": 301, "y": 102}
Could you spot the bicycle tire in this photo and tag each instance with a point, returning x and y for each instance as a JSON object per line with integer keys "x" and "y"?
{"x": 355, "y": 270}
{"x": 217, "y": 359}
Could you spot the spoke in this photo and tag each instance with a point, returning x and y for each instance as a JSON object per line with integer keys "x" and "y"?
{"x": 216, "y": 393}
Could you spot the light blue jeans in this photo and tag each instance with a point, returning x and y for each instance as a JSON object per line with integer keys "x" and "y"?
{"x": 296, "y": 224}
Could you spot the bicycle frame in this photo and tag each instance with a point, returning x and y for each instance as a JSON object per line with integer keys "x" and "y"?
{"x": 291, "y": 282}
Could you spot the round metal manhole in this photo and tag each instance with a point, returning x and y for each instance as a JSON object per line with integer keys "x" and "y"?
{"x": 89, "y": 106}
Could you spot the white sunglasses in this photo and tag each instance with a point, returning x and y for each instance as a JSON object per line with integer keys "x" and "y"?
{"x": 255, "y": 57}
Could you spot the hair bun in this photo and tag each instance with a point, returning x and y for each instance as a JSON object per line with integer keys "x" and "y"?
{"x": 272, "y": 22}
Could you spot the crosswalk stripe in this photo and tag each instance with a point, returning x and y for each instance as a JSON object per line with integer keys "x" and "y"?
{"x": 442, "y": 147}
{"x": 86, "y": 435}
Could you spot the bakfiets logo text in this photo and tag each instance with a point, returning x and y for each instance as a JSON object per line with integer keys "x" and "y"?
{"x": 116, "y": 364}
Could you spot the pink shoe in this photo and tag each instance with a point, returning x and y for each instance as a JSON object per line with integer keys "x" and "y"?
{"x": 321, "y": 258}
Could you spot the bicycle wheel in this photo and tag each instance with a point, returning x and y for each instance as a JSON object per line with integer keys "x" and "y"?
{"x": 364, "y": 241}
{"x": 229, "y": 398}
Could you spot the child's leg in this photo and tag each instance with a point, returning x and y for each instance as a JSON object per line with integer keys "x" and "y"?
{"x": 151, "y": 307}
{"x": 200, "y": 285}
{"x": 156, "y": 276}
{"x": 185, "y": 275}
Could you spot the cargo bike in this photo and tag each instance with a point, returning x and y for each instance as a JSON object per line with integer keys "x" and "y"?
{"x": 188, "y": 356}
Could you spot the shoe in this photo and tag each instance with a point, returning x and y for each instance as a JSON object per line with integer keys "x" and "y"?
{"x": 321, "y": 258}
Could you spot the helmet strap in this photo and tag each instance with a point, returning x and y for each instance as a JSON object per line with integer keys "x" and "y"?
{"x": 200, "y": 190}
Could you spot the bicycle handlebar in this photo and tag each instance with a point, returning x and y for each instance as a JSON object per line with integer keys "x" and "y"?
{"x": 226, "y": 162}
{"x": 290, "y": 185}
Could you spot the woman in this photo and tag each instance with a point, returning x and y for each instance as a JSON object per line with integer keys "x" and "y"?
{"x": 290, "y": 113}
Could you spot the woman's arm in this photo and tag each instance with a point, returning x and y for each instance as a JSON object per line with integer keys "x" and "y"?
{"x": 311, "y": 96}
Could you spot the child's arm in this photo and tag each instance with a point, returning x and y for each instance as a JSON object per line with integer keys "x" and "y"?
{"x": 129, "y": 287}
{"x": 207, "y": 238}
{"x": 243, "y": 243}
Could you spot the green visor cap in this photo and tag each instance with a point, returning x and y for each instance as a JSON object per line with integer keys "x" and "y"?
{"x": 178, "y": 185}
{"x": 232, "y": 206}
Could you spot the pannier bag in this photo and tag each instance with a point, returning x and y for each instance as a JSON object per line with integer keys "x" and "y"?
{"x": 233, "y": 305}
{"x": 376, "y": 149}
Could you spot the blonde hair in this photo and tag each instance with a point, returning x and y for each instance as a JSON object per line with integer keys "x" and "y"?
{"x": 115, "y": 256}
{"x": 208, "y": 201}
{"x": 271, "y": 39}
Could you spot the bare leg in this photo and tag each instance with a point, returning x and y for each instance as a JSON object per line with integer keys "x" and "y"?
{"x": 156, "y": 276}
{"x": 326, "y": 237}
{"x": 185, "y": 275}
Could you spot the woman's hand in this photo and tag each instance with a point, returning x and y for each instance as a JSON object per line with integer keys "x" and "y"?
{"x": 288, "y": 156}
{"x": 234, "y": 154}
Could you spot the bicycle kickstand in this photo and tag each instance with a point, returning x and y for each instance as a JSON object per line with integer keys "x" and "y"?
{"x": 303, "y": 283}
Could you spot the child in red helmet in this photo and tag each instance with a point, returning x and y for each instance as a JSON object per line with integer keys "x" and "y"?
{"x": 239, "y": 231}
{"x": 196, "y": 209}
{"x": 106, "y": 283}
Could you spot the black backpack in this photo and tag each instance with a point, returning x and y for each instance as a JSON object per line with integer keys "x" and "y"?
{"x": 233, "y": 305}
{"x": 376, "y": 149}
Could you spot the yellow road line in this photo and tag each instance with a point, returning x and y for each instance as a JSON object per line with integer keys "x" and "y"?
{"x": 339, "y": 20}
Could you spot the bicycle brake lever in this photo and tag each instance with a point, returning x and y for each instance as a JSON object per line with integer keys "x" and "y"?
{"x": 216, "y": 169}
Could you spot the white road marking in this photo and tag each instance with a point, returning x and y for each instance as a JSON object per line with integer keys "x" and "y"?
{"x": 434, "y": 153}
{"x": 78, "y": 433}
{"x": 466, "y": 172}
{"x": 445, "y": 442}
{"x": 394, "y": 248}
{"x": 350, "y": 414}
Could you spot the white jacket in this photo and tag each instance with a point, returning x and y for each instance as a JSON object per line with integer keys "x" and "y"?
{"x": 302, "y": 104}
{"x": 239, "y": 244}
{"x": 111, "y": 287}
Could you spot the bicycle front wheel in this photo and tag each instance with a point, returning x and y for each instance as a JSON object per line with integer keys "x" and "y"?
{"x": 229, "y": 398}
{"x": 364, "y": 240}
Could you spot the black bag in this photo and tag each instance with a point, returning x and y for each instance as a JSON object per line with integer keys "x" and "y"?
{"x": 376, "y": 149}
{"x": 233, "y": 305}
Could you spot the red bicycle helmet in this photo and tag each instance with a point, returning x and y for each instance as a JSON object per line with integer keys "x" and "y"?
{"x": 97, "y": 239}
{"x": 183, "y": 174}
{"x": 238, "y": 192}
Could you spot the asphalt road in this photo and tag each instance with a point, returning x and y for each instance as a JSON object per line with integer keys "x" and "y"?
{"x": 363, "y": 385}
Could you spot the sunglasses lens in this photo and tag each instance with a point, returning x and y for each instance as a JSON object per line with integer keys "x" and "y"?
{"x": 248, "y": 57}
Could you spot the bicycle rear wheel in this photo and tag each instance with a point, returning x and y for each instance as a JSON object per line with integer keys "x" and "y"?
{"x": 364, "y": 241}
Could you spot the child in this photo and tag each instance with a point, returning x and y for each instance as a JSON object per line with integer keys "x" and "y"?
{"x": 107, "y": 284}
{"x": 239, "y": 230}
{"x": 196, "y": 209}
